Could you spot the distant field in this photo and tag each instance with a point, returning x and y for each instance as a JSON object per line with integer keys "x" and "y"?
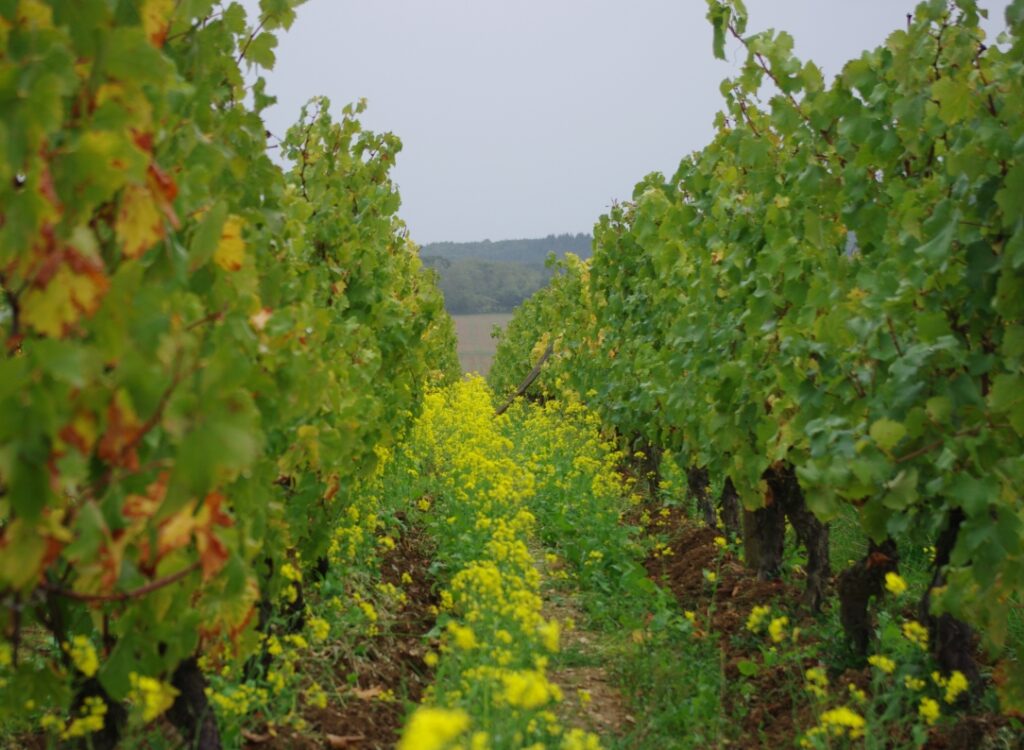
{"x": 476, "y": 347}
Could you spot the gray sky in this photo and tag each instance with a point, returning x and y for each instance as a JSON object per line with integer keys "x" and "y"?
{"x": 522, "y": 118}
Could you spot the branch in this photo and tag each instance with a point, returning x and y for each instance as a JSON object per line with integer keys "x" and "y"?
{"x": 892, "y": 335}
{"x": 138, "y": 593}
{"x": 256, "y": 30}
{"x": 529, "y": 380}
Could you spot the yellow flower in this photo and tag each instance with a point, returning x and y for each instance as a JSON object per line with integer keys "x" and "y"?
{"x": 928, "y": 710}
{"x": 430, "y": 658}
{"x": 154, "y": 696}
{"x": 777, "y": 628}
{"x": 94, "y": 709}
{"x": 913, "y": 683}
{"x": 83, "y": 656}
{"x": 433, "y": 728}
{"x": 320, "y": 629}
{"x": 463, "y": 636}
{"x": 757, "y": 617}
{"x": 711, "y": 576}
{"x": 721, "y": 542}
{"x": 955, "y": 685}
{"x": 916, "y": 633}
{"x": 817, "y": 681}
{"x": 843, "y": 720}
{"x": 884, "y": 663}
{"x": 316, "y": 696}
{"x": 895, "y": 584}
{"x": 528, "y": 689}
{"x": 577, "y": 739}
{"x": 549, "y": 635}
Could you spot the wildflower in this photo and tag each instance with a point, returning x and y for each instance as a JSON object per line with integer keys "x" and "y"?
{"x": 94, "y": 709}
{"x": 816, "y": 681}
{"x": 432, "y": 728}
{"x": 757, "y": 617}
{"x": 528, "y": 689}
{"x": 83, "y": 656}
{"x": 577, "y": 739}
{"x": 721, "y": 542}
{"x": 369, "y": 611}
{"x": 913, "y": 683}
{"x": 154, "y": 696}
{"x": 549, "y": 635}
{"x": 928, "y": 710}
{"x": 290, "y": 572}
{"x": 463, "y": 636}
{"x": 895, "y": 584}
{"x": 916, "y": 633}
{"x": 316, "y": 696}
{"x": 320, "y": 629}
{"x": 423, "y": 504}
{"x": 691, "y": 616}
{"x": 406, "y": 578}
{"x": 857, "y": 694}
{"x": 431, "y": 659}
{"x": 777, "y": 628}
{"x": 711, "y": 576}
{"x": 956, "y": 684}
{"x": 274, "y": 646}
{"x": 883, "y": 663}
{"x": 843, "y": 720}
{"x": 584, "y": 696}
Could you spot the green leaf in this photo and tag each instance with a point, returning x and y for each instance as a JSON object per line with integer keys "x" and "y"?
{"x": 954, "y": 98}
{"x": 973, "y": 494}
{"x": 887, "y": 433}
{"x": 748, "y": 668}
{"x": 207, "y": 235}
{"x": 261, "y": 50}
{"x": 936, "y": 250}
{"x": 1007, "y": 397}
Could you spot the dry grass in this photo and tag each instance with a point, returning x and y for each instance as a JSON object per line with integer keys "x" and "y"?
{"x": 476, "y": 347}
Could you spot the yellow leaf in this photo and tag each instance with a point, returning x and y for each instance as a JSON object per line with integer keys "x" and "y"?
{"x": 53, "y": 309}
{"x": 230, "y": 250}
{"x": 35, "y": 13}
{"x": 156, "y": 20}
{"x": 139, "y": 221}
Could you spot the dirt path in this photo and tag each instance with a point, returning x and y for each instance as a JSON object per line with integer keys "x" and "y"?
{"x": 592, "y": 701}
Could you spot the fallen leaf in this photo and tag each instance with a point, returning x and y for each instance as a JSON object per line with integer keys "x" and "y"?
{"x": 368, "y": 693}
{"x": 338, "y": 740}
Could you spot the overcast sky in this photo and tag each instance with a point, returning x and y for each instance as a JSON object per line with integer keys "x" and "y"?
{"x": 522, "y": 118}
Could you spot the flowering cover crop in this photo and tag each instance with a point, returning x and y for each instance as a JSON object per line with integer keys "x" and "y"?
{"x": 492, "y": 688}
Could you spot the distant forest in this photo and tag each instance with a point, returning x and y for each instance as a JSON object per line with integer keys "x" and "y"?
{"x": 488, "y": 277}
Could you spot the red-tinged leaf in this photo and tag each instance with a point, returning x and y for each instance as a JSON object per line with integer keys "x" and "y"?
{"x": 67, "y": 286}
{"x": 117, "y": 446}
{"x": 188, "y": 523}
{"x": 156, "y": 20}
{"x": 80, "y": 432}
{"x": 139, "y": 223}
{"x": 230, "y": 252}
{"x": 164, "y": 190}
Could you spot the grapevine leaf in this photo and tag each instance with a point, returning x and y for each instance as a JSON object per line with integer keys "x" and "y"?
{"x": 139, "y": 221}
{"x": 230, "y": 252}
{"x": 887, "y": 433}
